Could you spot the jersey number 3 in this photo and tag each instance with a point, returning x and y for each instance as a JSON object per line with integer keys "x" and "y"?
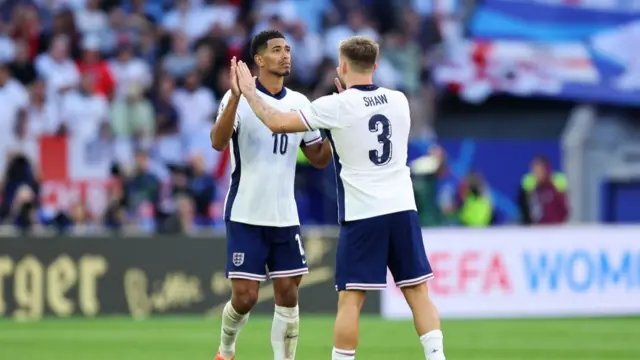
{"x": 381, "y": 125}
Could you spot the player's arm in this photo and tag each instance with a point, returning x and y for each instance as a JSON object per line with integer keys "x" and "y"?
{"x": 224, "y": 126}
{"x": 321, "y": 114}
{"x": 316, "y": 150}
{"x": 227, "y": 113}
{"x": 277, "y": 121}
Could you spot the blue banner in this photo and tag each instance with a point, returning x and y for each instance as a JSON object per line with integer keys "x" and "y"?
{"x": 584, "y": 50}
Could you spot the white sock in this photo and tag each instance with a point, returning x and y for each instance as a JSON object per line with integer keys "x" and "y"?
{"x": 285, "y": 332}
{"x": 339, "y": 354}
{"x": 432, "y": 345}
{"x": 232, "y": 323}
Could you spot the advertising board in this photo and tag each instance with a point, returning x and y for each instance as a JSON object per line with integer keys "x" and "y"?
{"x": 533, "y": 272}
{"x": 142, "y": 277}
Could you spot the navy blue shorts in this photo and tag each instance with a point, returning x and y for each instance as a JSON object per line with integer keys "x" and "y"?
{"x": 253, "y": 250}
{"x": 367, "y": 247}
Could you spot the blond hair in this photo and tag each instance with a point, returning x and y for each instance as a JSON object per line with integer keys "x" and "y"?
{"x": 361, "y": 52}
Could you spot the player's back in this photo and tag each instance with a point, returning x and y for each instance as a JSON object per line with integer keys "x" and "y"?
{"x": 370, "y": 148}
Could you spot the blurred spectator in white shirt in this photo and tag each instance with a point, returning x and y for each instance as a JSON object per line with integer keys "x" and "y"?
{"x": 405, "y": 56}
{"x": 133, "y": 115}
{"x": 42, "y": 114}
{"x": 57, "y": 68}
{"x": 90, "y": 19}
{"x": 122, "y": 27}
{"x": 284, "y": 9}
{"x": 184, "y": 18}
{"x": 357, "y": 25}
{"x": 196, "y": 106}
{"x": 13, "y": 101}
{"x": 220, "y": 14}
{"x": 168, "y": 146}
{"x": 83, "y": 110}
{"x": 180, "y": 61}
{"x": 307, "y": 53}
{"x": 7, "y": 48}
{"x": 129, "y": 71}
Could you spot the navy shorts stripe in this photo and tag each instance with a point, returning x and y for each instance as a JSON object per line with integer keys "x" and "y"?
{"x": 339, "y": 184}
{"x": 235, "y": 176}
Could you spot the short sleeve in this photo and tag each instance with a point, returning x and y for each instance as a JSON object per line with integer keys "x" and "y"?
{"x": 321, "y": 114}
{"x": 223, "y": 104}
{"x": 311, "y": 137}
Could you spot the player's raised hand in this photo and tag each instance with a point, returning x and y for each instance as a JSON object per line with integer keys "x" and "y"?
{"x": 233, "y": 77}
{"x": 338, "y": 82}
{"x": 246, "y": 81}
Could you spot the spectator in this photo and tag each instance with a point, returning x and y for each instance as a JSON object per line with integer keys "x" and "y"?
{"x": 142, "y": 192}
{"x": 476, "y": 207}
{"x": 205, "y": 66}
{"x": 129, "y": 71}
{"x": 181, "y": 221}
{"x": 133, "y": 115}
{"x": 22, "y": 212}
{"x": 63, "y": 26}
{"x": 26, "y": 29}
{"x": 93, "y": 65}
{"x": 115, "y": 216}
{"x": 14, "y": 99}
{"x": 221, "y": 15}
{"x": 202, "y": 188}
{"x": 180, "y": 61}
{"x": 122, "y": 29}
{"x": 542, "y": 198}
{"x": 356, "y": 25}
{"x": 184, "y": 19}
{"x": 19, "y": 193}
{"x": 306, "y": 51}
{"x": 425, "y": 172}
{"x": 195, "y": 105}
{"x": 22, "y": 66}
{"x": 7, "y": 49}
{"x": 168, "y": 141}
{"x": 83, "y": 110}
{"x": 42, "y": 116}
{"x": 57, "y": 69}
{"x": 90, "y": 19}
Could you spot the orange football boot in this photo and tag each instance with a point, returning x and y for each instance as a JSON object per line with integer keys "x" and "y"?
{"x": 219, "y": 357}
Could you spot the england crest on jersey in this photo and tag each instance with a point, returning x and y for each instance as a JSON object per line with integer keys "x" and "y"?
{"x": 238, "y": 259}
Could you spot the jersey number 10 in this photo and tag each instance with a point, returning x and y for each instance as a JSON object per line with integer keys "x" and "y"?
{"x": 280, "y": 143}
{"x": 377, "y": 123}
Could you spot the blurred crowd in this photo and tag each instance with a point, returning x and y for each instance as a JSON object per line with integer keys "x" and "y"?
{"x": 132, "y": 86}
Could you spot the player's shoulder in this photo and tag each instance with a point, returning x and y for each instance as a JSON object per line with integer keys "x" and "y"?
{"x": 296, "y": 95}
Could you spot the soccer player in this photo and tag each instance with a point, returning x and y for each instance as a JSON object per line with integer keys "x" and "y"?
{"x": 263, "y": 229}
{"x": 368, "y": 131}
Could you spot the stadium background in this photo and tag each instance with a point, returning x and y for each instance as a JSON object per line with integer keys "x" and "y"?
{"x": 524, "y": 153}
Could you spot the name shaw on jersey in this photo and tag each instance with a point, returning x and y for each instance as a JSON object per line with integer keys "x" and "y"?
{"x": 375, "y": 100}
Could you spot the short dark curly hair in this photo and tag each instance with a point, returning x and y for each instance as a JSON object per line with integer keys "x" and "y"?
{"x": 259, "y": 42}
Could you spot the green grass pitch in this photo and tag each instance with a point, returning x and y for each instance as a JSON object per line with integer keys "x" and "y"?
{"x": 197, "y": 339}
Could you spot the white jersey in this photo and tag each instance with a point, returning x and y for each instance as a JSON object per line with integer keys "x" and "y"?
{"x": 369, "y": 132}
{"x": 264, "y": 164}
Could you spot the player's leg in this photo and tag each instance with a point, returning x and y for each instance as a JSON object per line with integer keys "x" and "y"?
{"x": 361, "y": 265}
{"x": 287, "y": 264}
{"x": 246, "y": 259}
{"x": 411, "y": 269}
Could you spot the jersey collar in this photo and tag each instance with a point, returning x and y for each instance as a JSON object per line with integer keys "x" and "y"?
{"x": 264, "y": 90}
{"x": 368, "y": 87}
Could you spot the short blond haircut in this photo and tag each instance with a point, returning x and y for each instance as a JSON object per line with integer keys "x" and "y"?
{"x": 361, "y": 52}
